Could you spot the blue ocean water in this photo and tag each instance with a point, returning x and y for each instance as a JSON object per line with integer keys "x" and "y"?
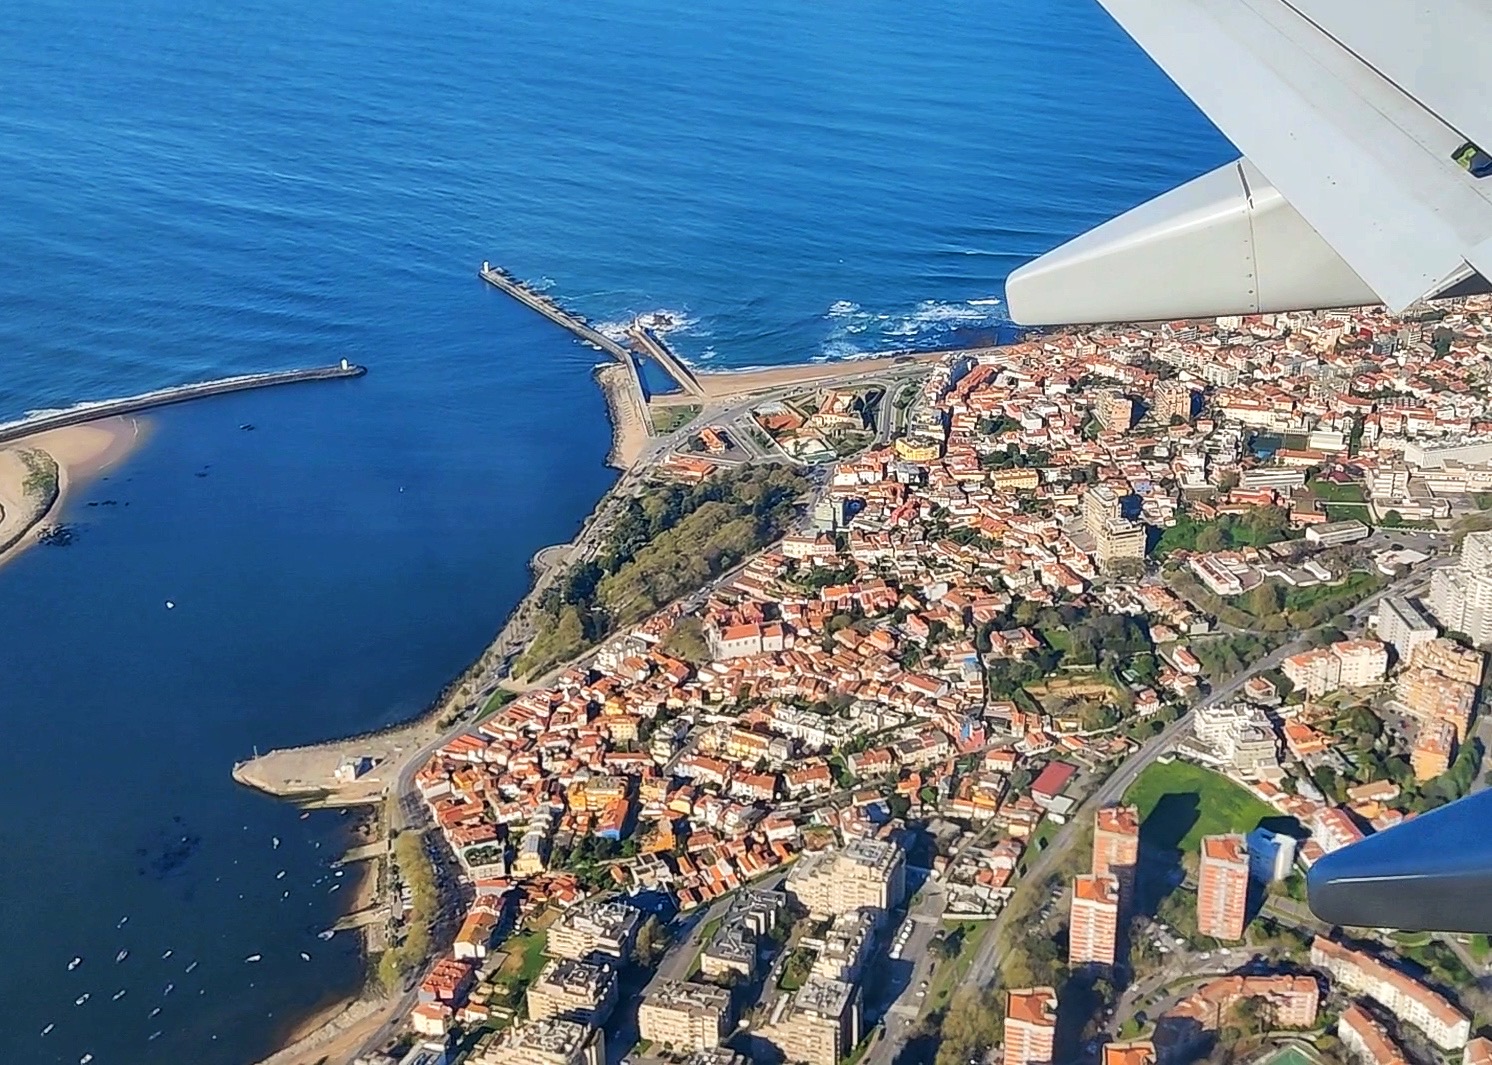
{"x": 187, "y": 192}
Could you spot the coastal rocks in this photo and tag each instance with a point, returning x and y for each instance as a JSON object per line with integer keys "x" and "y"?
{"x": 60, "y": 534}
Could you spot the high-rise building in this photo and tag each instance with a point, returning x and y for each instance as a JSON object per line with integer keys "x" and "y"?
{"x": 1223, "y": 886}
{"x": 1434, "y": 748}
{"x": 1093, "y": 931}
{"x": 1428, "y": 696}
{"x": 1271, "y": 855}
{"x": 1363, "y": 662}
{"x": 1461, "y": 595}
{"x": 1174, "y": 399}
{"x": 1118, "y": 540}
{"x": 864, "y": 874}
{"x": 683, "y": 1015}
{"x": 1030, "y": 1025}
{"x": 548, "y": 1042}
{"x": 1116, "y": 849}
{"x": 821, "y": 1025}
{"x": 1114, "y": 410}
{"x": 581, "y": 991}
{"x": 607, "y": 927}
{"x": 1100, "y": 503}
{"x": 1399, "y": 624}
{"x": 1450, "y": 660}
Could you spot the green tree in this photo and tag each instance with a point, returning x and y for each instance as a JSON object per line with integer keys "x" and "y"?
{"x": 687, "y": 641}
{"x": 1265, "y": 601}
{"x": 1212, "y": 538}
{"x": 651, "y": 942}
{"x": 974, "y": 1022}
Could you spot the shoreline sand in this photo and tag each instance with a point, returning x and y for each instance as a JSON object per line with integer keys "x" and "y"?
{"x": 82, "y": 452}
{"x": 629, "y": 426}
{"x": 722, "y": 385}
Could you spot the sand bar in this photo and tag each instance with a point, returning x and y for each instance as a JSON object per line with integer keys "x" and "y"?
{"x": 629, "y": 424}
{"x": 80, "y": 453}
{"x": 734, "y": 384}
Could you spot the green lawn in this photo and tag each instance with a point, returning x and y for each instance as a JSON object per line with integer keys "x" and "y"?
{"x": 496, "y": 701}
{"x": 667, "y": 419}
{"x": 525, "y": 956}
{"x": 1328, "y": 492}
{"x": 1291, "y": 1055}
{"x": 1347, "y": 511}
{"x": 1180, "y": 803}
{"x": 1357, "y": 585}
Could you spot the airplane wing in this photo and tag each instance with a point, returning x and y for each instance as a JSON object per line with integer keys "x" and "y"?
{"x": 1348, "y": 114}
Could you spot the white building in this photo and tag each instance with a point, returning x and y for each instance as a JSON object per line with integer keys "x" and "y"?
{"x": 1399, "y": 624}
{"x": 1406, "y": 998}
{"x": 1461, "y": 595}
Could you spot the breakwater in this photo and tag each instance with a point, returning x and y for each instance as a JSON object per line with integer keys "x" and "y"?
{"x": 652, "y": 345}
{"x": 87, "y": 412}
{"x": 647, "y": 343}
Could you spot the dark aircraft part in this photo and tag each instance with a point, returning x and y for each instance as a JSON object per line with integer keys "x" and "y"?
{"x": 1432, "y": 874}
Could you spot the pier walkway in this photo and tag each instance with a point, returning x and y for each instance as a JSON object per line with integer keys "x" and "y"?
{"x": 651, "y": 345}
{"x": 87, "y": 412}
{"x": 499, "y": 278}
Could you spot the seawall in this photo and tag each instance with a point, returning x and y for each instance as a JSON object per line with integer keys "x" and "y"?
{"x": 87, "y": 412}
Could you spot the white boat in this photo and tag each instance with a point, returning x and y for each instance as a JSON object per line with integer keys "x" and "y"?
{"x": 155, "y": 1012}
{"x": 123, "y": 921}
{"x": 154, "y": 1036}
{"x": 118, "y": 995}
{"x": 190, "y": 967}
{"x": 121, "y": 956}
{"x": 48, "y": 1029}
{"x": 74, "y": 964}
{"x": 327, "y": 934}
{"x": 304, "y": 956}
{"x": 254, "y": 957}
{"x": 335, "y": 887}
{"x": 84, "y": 997}
{"x": 85, "y": 1059}
{"x": 280, "y": 875}
{"x": 168, "y": 989}
{"x": 276, "y": 840}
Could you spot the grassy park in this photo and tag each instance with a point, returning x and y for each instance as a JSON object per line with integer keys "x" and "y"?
{"x": 1179, "y": 803}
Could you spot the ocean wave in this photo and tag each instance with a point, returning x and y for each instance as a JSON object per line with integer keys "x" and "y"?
{"x": 857, "y": 332}
{"x": 660, "y": 322}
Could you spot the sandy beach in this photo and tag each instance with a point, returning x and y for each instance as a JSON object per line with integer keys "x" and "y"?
{"x": 79, "y": 452}
{"x": 629, "y": 426}
{"x": 736, "y": 384}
